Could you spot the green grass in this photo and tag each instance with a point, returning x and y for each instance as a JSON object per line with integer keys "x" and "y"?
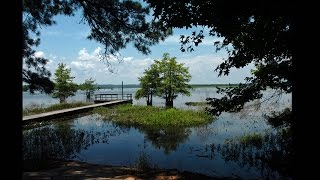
{"x": 153, "y": 116}
{"x": 37, "y": 109}
{"x": 252, "y": 139}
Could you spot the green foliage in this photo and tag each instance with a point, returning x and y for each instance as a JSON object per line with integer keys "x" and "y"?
{"x": 25, "y": 88}
{"x": 282, "y": 119}
{"x": 252, "y": 139}
{"x": 149, "y": 84}
{"x": 88, "y": 86}
{"x": 250, "y": 35}
{"x": 174, "y": 79}
{"x": 114, "y": 24}
{"x": 37, "y": 109}
{"x": 37, "y": 13}
{"x": 153, "y": 116}
{"x": 166, "y": 78}
{"x": 63, "y": 87}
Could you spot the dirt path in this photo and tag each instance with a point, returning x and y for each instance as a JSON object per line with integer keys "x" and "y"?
{"x": 80, "y": 170}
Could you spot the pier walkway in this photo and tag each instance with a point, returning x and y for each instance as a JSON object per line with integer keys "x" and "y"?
{"x": 64, "y": 112}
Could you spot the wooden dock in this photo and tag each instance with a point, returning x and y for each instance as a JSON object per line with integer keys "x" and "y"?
{"x": 71, "y": 111}
{"x": 100, "y": 98}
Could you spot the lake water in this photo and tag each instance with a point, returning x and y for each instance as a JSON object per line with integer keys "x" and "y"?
{"x": 208, "y": 149}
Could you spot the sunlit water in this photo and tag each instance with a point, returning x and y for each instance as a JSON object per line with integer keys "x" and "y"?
{"x": 89, "y": 138}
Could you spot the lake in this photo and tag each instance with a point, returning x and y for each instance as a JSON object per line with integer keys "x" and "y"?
{"x": 210, "y": 149}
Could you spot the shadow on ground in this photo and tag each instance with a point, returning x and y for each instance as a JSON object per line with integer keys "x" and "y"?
{"x": 80, "y": 170}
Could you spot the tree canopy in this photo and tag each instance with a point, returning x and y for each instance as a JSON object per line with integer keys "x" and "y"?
{"x": 88, "y": 86}
{"x": 63, "y": 86}
{"x": 258, "y": 33}
{"x": 254, "y": 32}
{"x": 149, "y": 83}
{"x": 165, "y": 78}
{"x": 113, "y": 23}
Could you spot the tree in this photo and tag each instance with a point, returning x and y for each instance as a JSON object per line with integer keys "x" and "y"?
{"x": 25, "y": 88}
{"x": 166, "y": 78}
{"x": 174, "y": 79}
{"x": 257, "y": 33}
{"x": 113, "y": 23}
{"x": 149, "y": 84}
{"x": 253, "y": 32}
{"x": 88, "y": 87}
{"x": 63, "y": 87}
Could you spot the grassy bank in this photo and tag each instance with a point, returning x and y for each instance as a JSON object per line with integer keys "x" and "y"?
{"x": 37, "y": 109}
{"x": 153, "y": 116}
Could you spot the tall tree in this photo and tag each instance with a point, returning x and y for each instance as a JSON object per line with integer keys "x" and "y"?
{"x": 113, "y": 23}
{"x": 174, "y": 79}
{"x": 166, "y": 78}
{"x": 63, "y": 87}
{"x": 88, "y": 86}
{"x": 254, "y": 32}
{"x": 149, "y": 84}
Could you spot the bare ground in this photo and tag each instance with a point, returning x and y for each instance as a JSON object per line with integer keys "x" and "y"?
{"x": 80, "y": 170}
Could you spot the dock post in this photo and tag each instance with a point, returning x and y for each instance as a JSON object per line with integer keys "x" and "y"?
{"x": 122, "y": 90}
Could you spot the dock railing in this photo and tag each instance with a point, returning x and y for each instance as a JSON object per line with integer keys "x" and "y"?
{"x": 111, "y": 97}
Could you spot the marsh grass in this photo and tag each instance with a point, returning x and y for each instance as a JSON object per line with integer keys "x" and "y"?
{"x": 252, "y": 139}
{"x": 143, "y": 162}
{"x": 154, "y": 116}
{"x": 37, "y": 109}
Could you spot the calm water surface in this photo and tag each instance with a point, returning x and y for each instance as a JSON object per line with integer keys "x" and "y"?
{"x": 206, "y": 149}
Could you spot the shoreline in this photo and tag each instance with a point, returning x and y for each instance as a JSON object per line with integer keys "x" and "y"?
{"x": 54, "y": 169}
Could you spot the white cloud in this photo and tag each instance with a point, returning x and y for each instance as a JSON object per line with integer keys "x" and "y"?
{"x": 83, "y": 55}
{"x": 87, "y": 66}
{"x": 82, "y": 65}
{"x": 202, "y": 69}
{"x": 39, "y": 54}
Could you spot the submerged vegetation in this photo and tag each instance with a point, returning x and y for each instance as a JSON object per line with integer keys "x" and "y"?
{"x": 37, "y": 109}
{"x": 154, "y": 116}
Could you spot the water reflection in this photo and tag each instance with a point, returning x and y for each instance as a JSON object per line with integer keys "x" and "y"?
{"x": 211, "y": 149}
{"x": 269, "y": 157}
{"x": 201, "y": 149}
{"x": 166, "y": 138}
{"x": 63, "y": 140}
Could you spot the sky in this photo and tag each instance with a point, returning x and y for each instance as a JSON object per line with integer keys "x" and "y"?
{"x": 66, "y": 42}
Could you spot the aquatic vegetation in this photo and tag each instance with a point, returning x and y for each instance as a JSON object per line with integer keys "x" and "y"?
{"x": 254, "y": 139}
{"x": 154, "y": 116}
{"x": 143, "y": 162}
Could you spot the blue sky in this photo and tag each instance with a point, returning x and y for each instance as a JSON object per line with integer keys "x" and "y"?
{"x": 66, "y": 42}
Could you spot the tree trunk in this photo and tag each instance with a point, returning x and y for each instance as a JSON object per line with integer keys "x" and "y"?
{"x": 88, "y": 95}
{"x": 149, "y": 101}
{"x": 62, "y": 99}
{"x": 169, "y": 104}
